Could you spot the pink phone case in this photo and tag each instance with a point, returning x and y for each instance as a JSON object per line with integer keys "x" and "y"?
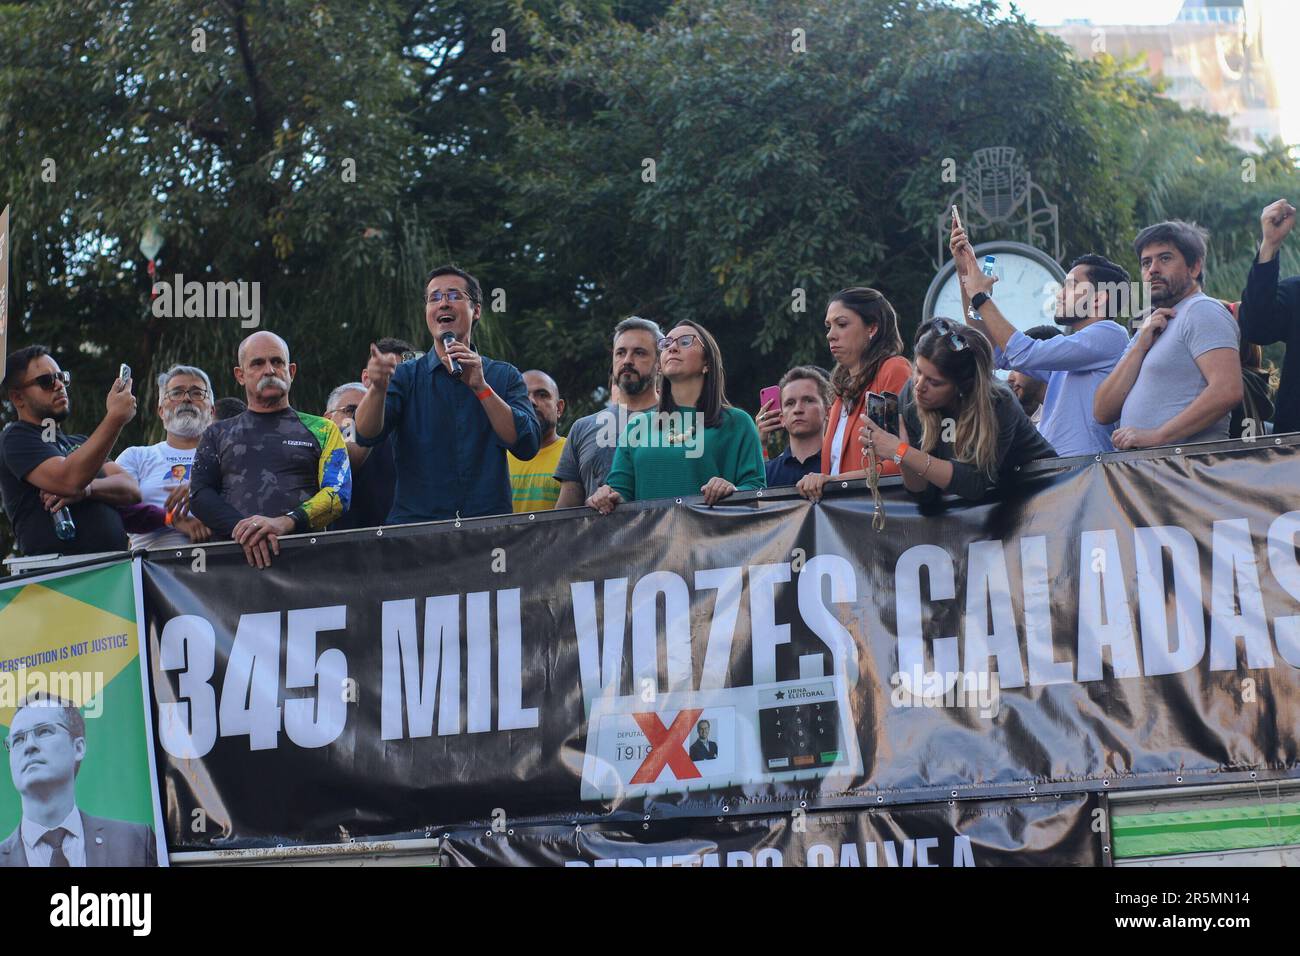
{"x": 770, "y": 394}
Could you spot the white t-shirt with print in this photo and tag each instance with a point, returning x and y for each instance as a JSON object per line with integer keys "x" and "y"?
{"x": 159, "y": 469}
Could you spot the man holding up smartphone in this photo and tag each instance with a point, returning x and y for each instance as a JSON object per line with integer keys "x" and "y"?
{"x": 805, "y": 395}
{"x": 1074, "y": 366}
{"x": 43, "y": 471}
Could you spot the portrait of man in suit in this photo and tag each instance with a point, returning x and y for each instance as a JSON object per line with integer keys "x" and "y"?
{"x": 703, "y": 748}
{"x": 46, "y": 744}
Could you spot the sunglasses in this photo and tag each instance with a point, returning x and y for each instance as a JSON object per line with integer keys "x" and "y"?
{"x": 48, "y": 380}
{"x": 681, "y": 341}
{"x": 349, "y": 410}
{"x": 951, "y": 332}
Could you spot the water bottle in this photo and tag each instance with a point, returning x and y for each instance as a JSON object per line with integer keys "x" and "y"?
{"x": 987, "y": 269}
{"x": 65, "y": 529}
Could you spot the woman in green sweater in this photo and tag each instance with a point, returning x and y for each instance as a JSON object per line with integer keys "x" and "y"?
{"x": 696, "y": 444}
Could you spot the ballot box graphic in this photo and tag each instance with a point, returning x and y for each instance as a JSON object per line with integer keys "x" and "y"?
{"x": 734, "y": 736}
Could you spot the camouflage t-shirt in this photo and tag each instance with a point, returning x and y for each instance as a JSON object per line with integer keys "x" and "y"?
{"x": 270, "y": 463}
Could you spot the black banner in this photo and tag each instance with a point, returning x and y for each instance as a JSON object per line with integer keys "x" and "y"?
{"x": 1063, "y": 830}
{"x": 1132, "y": 622}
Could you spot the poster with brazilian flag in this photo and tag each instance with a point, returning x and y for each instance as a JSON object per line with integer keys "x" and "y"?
{"x": 81, "y": 788}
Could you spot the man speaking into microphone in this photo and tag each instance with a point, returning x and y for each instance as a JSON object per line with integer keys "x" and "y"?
{"x": 453, "y": 414}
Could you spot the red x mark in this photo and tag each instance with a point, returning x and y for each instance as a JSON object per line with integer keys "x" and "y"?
{"x": 666, "y": 746}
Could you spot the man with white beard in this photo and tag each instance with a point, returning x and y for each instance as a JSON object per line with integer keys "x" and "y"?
{"x": 272, "y": 470}
{"x": 163, "y": 470}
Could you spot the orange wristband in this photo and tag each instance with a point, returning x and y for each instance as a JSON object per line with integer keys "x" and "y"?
{"x": 487, "y": 390}
{"x": 903, "y": 448}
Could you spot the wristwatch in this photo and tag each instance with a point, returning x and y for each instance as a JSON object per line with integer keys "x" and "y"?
{"x": 978, "y": 299}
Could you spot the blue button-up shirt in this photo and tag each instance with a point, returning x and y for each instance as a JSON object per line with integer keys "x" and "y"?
{"x": 785, "y": 469}
{"x": 449, "y": 459}
{"x": 1073, "y": 366}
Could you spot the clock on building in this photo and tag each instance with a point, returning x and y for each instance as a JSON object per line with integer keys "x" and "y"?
{"x": 1028, "y": 280}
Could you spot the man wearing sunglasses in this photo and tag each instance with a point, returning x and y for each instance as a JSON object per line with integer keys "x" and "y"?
{"x": 453, "y": 413}
{"x": 43, "y": 470}
{"x": 46, "y": 746}
{"x": 163, "y": 470}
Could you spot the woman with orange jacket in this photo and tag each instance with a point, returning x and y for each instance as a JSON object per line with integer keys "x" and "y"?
{"x": 862, "y": 331}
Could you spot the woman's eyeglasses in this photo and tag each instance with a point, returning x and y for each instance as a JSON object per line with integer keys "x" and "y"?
{"x": 49, "y": 380}
{"x": 681, "y": 341}
{"x": 951, "y": 332}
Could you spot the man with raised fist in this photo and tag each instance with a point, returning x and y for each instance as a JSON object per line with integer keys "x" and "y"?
{"x": 1270, "y": 311}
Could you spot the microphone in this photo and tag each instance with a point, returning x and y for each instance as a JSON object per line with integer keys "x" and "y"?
{"x": 447, "y": 338}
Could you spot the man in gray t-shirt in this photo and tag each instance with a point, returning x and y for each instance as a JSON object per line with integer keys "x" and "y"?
{"x": 1180, "y": 377}
{"x": 589, "y": 451}
{"x": 592, "y": 441}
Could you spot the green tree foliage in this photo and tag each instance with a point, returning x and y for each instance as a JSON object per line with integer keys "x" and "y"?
{"x": 778, "y": 169}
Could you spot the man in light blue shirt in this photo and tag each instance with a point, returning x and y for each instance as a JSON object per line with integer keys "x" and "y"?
{"x": 1073, "y": 365}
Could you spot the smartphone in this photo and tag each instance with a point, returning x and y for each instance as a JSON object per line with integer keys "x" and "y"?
{"x": 770, "y": 394}
{"x": 123, "y": 372}
{"x": 956, "y": 218}
{"x": 883, "y": 410}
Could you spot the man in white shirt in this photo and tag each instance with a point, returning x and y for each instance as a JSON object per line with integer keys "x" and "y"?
{"x": 163, "y": 470}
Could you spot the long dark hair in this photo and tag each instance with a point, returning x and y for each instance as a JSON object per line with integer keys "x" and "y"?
{"x": 872, "y": 308}
{"x": 970, "y": 368}
{"x": 713, "y": 394}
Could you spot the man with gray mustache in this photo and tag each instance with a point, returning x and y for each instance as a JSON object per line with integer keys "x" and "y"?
{"x": 272, "y": 470}
{"x": 163, "y": 470}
